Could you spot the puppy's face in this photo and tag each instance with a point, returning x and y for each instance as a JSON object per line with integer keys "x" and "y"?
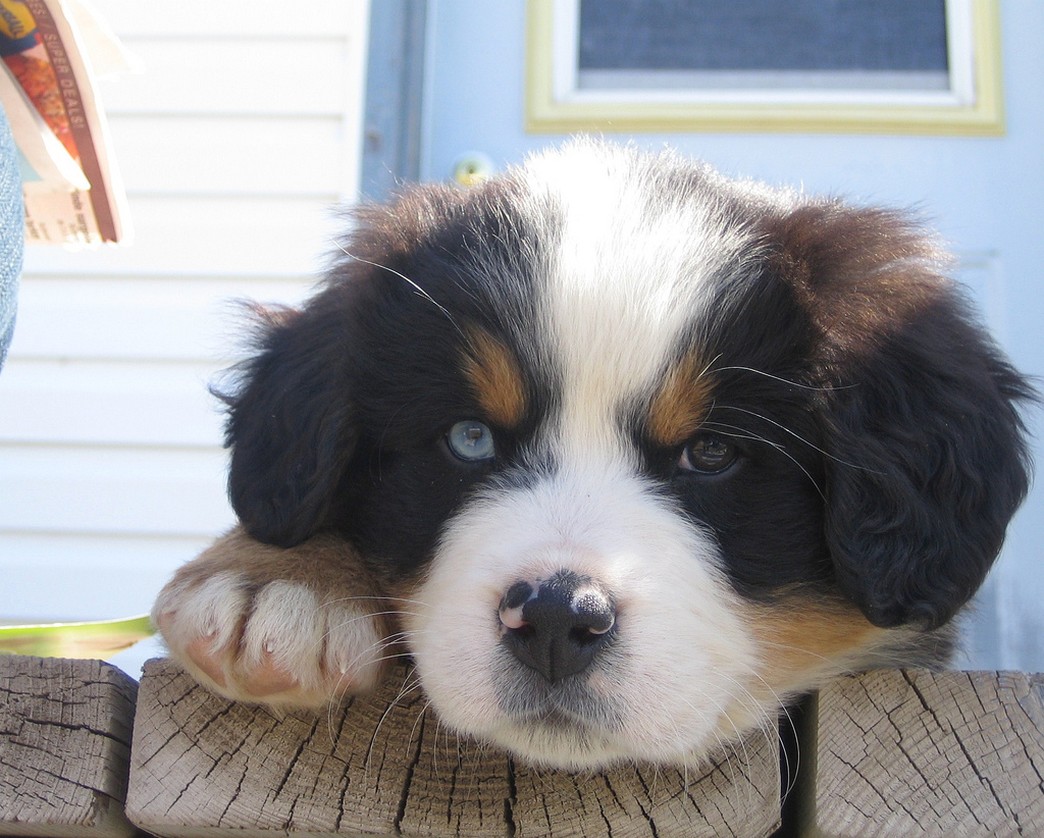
{"x": 642, "y": 451}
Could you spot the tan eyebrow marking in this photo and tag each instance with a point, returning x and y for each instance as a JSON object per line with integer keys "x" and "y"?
{"x": 495, "y": 378}
{"x": 681, "y": 404}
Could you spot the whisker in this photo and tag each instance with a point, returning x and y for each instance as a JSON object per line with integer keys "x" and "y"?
{"x": 392, "y": 612}
{"x": 420, "y": 291}
{"x": 725, "y": 746}
{"x": 777, "y": 446}
{"x": 376, "y": 598}
{"x": 782, "y": 705}
{"x": 826, "y": 388}
{"x": 406, "y": 688}
{"x": 797, "y": 436}
{"x": 788, "y": 647}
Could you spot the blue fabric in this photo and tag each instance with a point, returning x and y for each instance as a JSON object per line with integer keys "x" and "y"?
{"x": 12, "y": 234}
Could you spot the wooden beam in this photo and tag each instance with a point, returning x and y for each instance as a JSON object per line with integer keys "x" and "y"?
{"x": 889, "y": 753}
{"x": 899, "y": 753}
{"x": 65, "y": 732}
{"x": 202, "y": 766}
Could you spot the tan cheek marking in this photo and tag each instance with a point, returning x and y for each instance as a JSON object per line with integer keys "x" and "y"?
{"x": 495, "y": 379}
{"x": 803, "y": 640}
{"x": 681, "y": 404}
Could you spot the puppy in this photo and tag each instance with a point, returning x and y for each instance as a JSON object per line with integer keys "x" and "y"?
{"x": 623, "y": 454}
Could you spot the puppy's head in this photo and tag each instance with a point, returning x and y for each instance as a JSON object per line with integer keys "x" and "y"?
{"x": 643, "y": 450}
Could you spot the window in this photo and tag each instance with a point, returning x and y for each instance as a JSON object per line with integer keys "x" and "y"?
{"x": 930, "y": 66}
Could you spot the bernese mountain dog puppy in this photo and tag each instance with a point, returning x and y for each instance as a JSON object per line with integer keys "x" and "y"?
{"x": 621, "y": 453}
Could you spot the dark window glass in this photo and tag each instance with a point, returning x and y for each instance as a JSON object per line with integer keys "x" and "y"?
{"x": 828, "y": 36}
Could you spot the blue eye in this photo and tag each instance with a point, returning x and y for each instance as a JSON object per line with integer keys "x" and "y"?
{"x": 471, "y": 441}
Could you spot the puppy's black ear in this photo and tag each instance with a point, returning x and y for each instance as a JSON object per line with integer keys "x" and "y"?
{"x": 927, "y": 466}
{"x": 290, "y": 428}
{"x": 927, "y": 460}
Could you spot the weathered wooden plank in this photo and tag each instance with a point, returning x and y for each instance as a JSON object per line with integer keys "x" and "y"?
{"x": 65, "y": 732}
{"x": 202, "y": 766}
{"x": 902, "y": 753}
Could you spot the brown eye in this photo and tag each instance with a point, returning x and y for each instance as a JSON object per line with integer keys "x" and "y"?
{"x": 707, "y": 454}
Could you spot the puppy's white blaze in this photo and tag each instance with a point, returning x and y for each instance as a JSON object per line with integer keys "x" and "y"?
{"x": 680, "y": 648}
{"x": 628, "y": 276}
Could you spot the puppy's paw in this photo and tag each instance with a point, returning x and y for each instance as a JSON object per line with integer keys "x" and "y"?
{"x": 298, "y": 627}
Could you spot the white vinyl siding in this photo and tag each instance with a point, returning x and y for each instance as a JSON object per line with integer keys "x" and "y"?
{"x": 235, "y": 142}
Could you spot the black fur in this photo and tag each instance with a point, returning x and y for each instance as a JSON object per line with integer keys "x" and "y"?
{"x": 926, "y": 456}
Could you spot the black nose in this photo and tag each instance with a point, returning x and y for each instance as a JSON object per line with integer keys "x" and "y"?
{"x": 558, "y": 625}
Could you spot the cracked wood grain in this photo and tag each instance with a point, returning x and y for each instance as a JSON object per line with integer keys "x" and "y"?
{"x": 903, "y": 753}
{"x": 384, "y": 765}
{"x": 65, "y": 733}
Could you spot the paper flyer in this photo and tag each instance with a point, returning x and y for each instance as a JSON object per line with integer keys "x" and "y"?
{"x": 71, "y": 186}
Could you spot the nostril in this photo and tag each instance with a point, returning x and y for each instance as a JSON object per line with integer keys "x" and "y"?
{"x": 583, "y": 637}
{"x": 513, "y": 602}
{"x": 594, "y": 612}
{"x": 557, "y": 626}
{"x": 519, "y": 594}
